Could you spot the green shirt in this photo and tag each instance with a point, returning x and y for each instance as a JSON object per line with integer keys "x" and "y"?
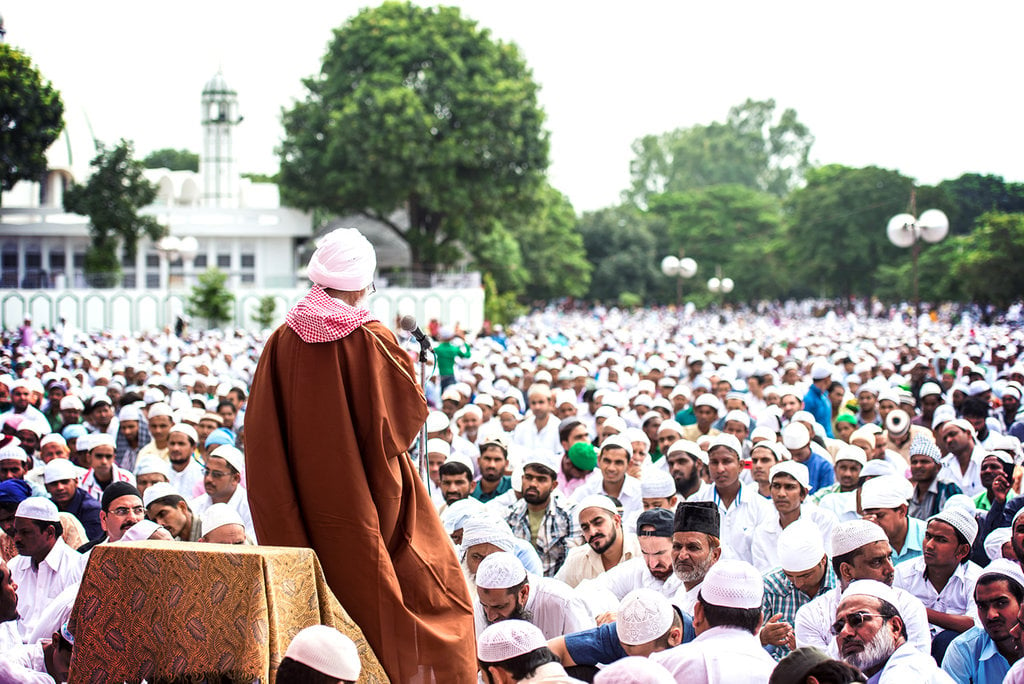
{"x": 445, "y": 354}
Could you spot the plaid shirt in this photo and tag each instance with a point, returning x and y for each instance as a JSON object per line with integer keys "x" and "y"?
{"x": 781, "y": 596}
{"x": 559, "y": 531}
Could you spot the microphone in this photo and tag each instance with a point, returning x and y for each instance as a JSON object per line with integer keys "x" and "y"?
{"x": 408, "y": 324}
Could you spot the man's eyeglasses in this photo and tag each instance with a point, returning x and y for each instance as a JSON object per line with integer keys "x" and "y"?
{"x": 215, "y": 474}
{"x": 124, "y": 510}
{"x": 855, "y": 619}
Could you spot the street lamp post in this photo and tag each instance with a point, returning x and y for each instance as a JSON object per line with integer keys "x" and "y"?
{"x": 721, "y": 286}
{"x": 171, "y": 248}
{"x": 904, "y": 230}
{"x": 679, "y": 268}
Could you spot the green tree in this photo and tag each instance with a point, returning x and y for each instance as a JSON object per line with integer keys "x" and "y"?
{"x": 265, "y": 311}
{"x": 623, "y": 250}
{"x": 974, "y": 194}
{"x": 211, "y": 299}
{"x": 31, "y": 118}
{"x": 417, "y": 108}
{"x": 750, "y": 148}
{"x": 111, "y": 198}
{"x": 175, "y": 160}
{"x": 552, "y": 250}
{"x": 835, "y": 229}
{"x": 987, "y": 261}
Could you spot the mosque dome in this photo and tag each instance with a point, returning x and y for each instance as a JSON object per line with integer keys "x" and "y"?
{"x": 218, "y": 86}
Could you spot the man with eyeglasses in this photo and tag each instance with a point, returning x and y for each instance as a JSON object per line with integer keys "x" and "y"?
{"x": 872, "y": 637}
{"x": 120, "y": 508}
{"x": 222, "y": 480}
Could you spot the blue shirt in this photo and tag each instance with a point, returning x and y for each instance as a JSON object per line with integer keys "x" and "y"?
{"x": 822, "y": 474}
{"x": 601, "y": 645}
{"x": 503, "y": 486}
{"x": 972, "y": 658}
{"x": 817, "y": 404}
{"x": 912, "y": 544}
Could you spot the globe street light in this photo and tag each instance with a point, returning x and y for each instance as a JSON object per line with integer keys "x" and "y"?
{"x": 904, "y": 230}
{"x": 679, "y": 267}
{"x": 720, "y": 285}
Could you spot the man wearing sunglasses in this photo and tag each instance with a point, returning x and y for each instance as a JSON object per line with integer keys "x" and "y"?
{"x": 871, "y": 636}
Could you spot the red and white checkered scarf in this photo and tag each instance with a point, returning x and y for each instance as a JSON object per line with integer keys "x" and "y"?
{"x": 320, "y": 317}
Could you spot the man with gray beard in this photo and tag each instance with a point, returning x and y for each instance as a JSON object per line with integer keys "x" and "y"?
{"x": 695, "y": 547}
{"x": 871, "y": 636}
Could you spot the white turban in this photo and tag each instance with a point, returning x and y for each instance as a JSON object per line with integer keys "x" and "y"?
{"x": 343, "y": 260}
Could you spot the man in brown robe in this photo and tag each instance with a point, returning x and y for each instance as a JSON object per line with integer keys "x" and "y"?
{"x": 333, "y": 410}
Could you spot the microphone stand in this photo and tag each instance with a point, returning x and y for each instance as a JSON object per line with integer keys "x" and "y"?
{"x": 425, "y": 351}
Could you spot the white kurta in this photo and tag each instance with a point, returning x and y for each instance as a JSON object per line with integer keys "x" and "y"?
{"x": 556, "y": 608}
{"x": 37, "y": 586}
{"x": 720, "y": 655}
{"x": 765, "y": 547}
{"x": 908, "y": 664}
{"x": 957, "y": 597}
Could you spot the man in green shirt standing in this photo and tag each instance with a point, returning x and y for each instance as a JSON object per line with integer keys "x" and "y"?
{"x": 446, "y": 353}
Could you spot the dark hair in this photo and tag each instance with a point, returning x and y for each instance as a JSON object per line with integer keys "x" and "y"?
{"x": 237, "y": 391}
{"x": 835, "y": 672}
{"x": 169, "y": 500}
{"x": 541, "y": 469}
{"x": 888, "y": 612}
{"x": 58, "y": 529}
{"x": 454, "y": 469}
{"x": 224, "y": 403}
{"x": 293, "y": 672}
{"x": 525, "y": 665}
{"x": 661, "y": 643}
{"x": 565, "y": 430}
{"x": 847, "y": 558}
{"x": 834, "y": 386}
{"x": 720, "y": 616}
{"x": 974, "y": 408}
{"x": 1012, "y": 585}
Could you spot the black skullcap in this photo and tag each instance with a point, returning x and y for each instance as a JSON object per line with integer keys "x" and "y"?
{"x": 698, "y": 516}
{"x": 658, "y": 518}
{"x": 115, "y": 491}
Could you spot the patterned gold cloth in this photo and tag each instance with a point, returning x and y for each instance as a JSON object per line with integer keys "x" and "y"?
{"x": 191, "y": 612}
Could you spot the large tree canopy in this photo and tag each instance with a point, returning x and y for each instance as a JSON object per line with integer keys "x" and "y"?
{"x": 175, "y": 160}
{"x": 416, "y": 107}
{"x": 31, "y": 118}
{"x": 751, "y": 148}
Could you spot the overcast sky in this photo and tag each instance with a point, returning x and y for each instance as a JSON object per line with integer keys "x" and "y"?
{"x": 929, "y": 88}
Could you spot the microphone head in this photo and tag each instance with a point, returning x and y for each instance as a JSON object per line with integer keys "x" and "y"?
{"x": 408, "y": 323}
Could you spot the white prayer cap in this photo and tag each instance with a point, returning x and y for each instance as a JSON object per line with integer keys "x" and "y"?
{"x": 850, "y": 452}
{"x": 821, "y": 370}
{"x": 343, "y": 260}
{"x": 500, "y": 570}
{"x": 803, "y": 417}
{"x": 605, "y": 412}
{"x": 503, "y": 409}
{"x": 437, "y": 421}
{"x": 655, "y": 483}
{"x": 763, "y": 433}
{"x": 187, "y": 430}
{"x": 615, "y": 423}
{"x": 850, "y": 535}
{"x": 634, "y": 670}
{"x": 160, "y": 409}
{"x": 219, "y": 515}
{"x": 616, "y": 441}
{"x": 634, "y": 435}
{"x": 456, "y": 514}
{"x": 39, "y": 427}
{"x": 436, "y": 445}
{"x": 101, "y": 439}
{"x": 38, "y": 508}
{"x": 709, "y": 399}
{"x": 994, "y": 543}
{"x": 129, "y": 412}
{"x": 962, "y": 424}
{"x": 598, "y": 501}
{"x": 1004, "y": 567}
{"x": 327, "y": 651}
{"x": 874, "y": 588}
{"x": 877, "y": 468}
{"x": 960, "y": 501}
{"x": 795, "y": 436}
{"x": 800, "y": 547}
{"x": 60, "y": 469}
{"x": 887, "y": 491}
{"x": 897, "y": 422}
{"x": 960, "y": 519}
{"x": 943, "y": 414}
{"x": 84, "y": 443}
{"x": 928, "y": 389}
{"x": 70, "y": 401}
{"x": 152, "y": 396}
{"x": 457, "y": 457}
{"x": 13, "y": 452}
{"x": 728, "y": 441}
{"x": 644, "y": 615}
{"x": 53, "y": 438}
{"x": 798, "y": 471}
{"x": 158, "y": 491}
{"x": 484, "y": 528}
{"x": 733, "y": 583}
{"x": 738, "y": 416}
{"x": 140, "y": 531}
{"x": 232, "y": 455}
{"x": 508, "y": 638}
{"x": 922, "y": 446}
{"x": 542, "y": 457}
{"x": 670, "y": 426}
{"x": 149, "y": 465}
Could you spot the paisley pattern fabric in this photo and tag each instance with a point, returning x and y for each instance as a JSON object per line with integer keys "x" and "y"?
{"x": 191, "y": 612}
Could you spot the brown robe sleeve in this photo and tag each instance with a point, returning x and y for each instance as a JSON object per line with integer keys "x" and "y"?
{"x": 326, "y": 430}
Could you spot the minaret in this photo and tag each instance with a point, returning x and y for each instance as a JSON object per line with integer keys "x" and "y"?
{"x": 217, "y": 163}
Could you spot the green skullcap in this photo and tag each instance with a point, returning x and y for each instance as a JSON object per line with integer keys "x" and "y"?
{"x": 583, "y": 455}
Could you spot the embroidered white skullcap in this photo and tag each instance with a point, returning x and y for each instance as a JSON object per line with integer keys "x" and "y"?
{"x": 795, "y": 436}
{"x": 599, "y": 501}
{"x": 218, "y": 515}
{"x": 962, "y": 520}
{"x": 187, "y": 430}
{"x": 634, "y": 670}
{"x": 1004, "y": 567}
{"x": 615, "y": 423}
{"x": 60, "y": 469}
{"x": 800, "y": 547}
{"x": 687, "y": 447}
{"x": 928, "y": 389}
{"x": 508, "y": 638}
{"x": 152, "y": 396}
{"x": 327, "y": 651}
{"x": 643, "y": 616}
{"x": 53, "y": 438}
{"x": 456, "y": 514}
{"x": 232, "y": 455}
{"x": 798, "y": 471}
{"x": 140, "y": 531}
{"x": 655, "y": 483}
{"x": 733, "y": 583}
{"x": 994, "y": 543}
{"x": 437, "y": 421}
{"x": 98, "y": 440}
{"x": 851, "y": 452}
{"x": 878, "y": 590}
{"x": 160, "y": 409}
{"x": 852, "y": 534}
{"x": 728, "y": 441}
{"x": 150, "y": 465}
{"x": 962, "y": 501}
{"x": 502, "y": 410}
{"x": 158, "y": 491}
{"x": 13, "y": 452}
{"x": 962, "y": 424}
{"x": 500, "y": 570}
{"x": 344, "y": 260}
{"x": 887, "y": 491}
{"x": 484, "y": 528}
{"x": 634, "y": 435}
{"x": 436, "y": 445}
{"x": 38, "y": 508}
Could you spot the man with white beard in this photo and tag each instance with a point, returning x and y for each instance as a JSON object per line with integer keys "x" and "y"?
{"x": 871, "y": 636}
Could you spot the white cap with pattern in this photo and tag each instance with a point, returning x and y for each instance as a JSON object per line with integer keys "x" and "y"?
{"x": 853, "y": 534}
{"x": 733, "y": 583}
{"x": 500, "y": 570}
{"x": 644, "y": 615}
{"x": 655, "y": 483}
{"x": 960, "y": 519}
{"x": 634, "y": 670}
{"x": 326, "y": 650}
{"x": 508, "y": 639}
